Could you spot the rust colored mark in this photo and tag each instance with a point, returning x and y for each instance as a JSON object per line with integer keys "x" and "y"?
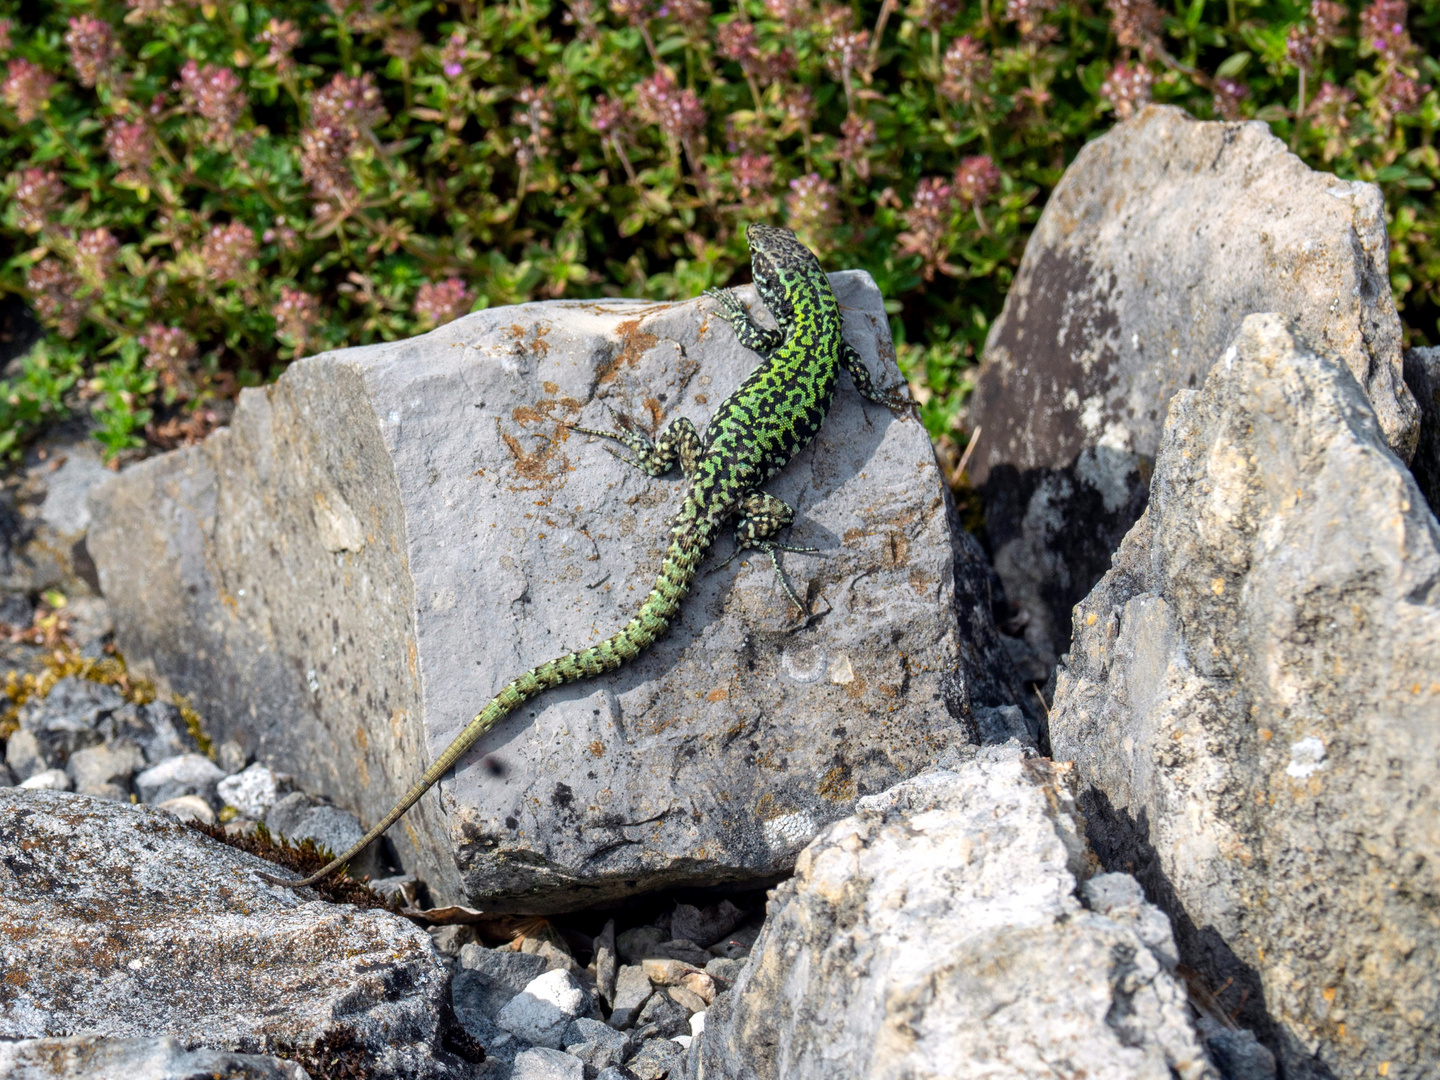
{"x": 597, "y": 749}
{"x": 895, "y": 552}
{"x": 837, "y": 785}
{"x": 634, "y": 343}
{"x": 550, "y": 387}
{"x": 720, "y": 693}
{"x": 701, "y": 399}
{"x": 855, "y": 689}
{"x": 540, "y": 345}
{"x": 544, "y": 409}
{"x": 652, "y": 406}
{"x": 516, "y": 330}
{"x": 852, "y": 537}
{"x": 534, "y": 468}
{"x": 919, "y": 581}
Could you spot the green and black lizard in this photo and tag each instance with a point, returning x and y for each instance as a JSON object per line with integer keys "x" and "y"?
{"x": 774, "y": 414}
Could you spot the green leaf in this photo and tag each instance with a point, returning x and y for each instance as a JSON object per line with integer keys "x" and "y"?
{"x": 1233, "y": 66}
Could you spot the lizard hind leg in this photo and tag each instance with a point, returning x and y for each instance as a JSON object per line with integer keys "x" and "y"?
{"x": 762, "y": 516}
{"x": 679, "y": 442}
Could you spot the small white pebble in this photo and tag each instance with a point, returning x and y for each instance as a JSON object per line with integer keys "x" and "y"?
{"x": 49, "y": 780}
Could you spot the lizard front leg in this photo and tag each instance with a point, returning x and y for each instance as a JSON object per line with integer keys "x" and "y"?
{"x": 678, "y": 442}
{"x": 860, "y": 375}
{"x": 749, "y": 333}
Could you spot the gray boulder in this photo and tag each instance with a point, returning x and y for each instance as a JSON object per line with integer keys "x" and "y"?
{"x": 543, "y": 1063}
{"x": 105, "y": 771}
{"x": 1159, "y": 239}
{"x": 937, "y": 933}
{"x": 1251, "y": 704}
{"x": 122, "y": 922}
{"x": 94, "y": 1057}
{"x": 385, "y": 536}
{"x": 185, "y": 774}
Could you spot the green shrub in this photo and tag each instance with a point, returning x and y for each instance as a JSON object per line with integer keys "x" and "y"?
{"x": 196, "y": 195}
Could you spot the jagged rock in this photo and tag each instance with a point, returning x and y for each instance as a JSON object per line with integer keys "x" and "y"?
{"x": 65, "y": 721}
{"x": 543, "y": 1063}
{"x": 186, "y": 774}
{"x": 94, "y": 1057}
{"x": 1161, "y": 236}
{"x": 1422, "y": 375}
{"x": 253, "y": 791}
{"x": 189, "y": 808}
{"x": 105, "y": 771}
{"x": 606, "y": 967}
{"x": 1251, "y": 703}
{"x": 114, "y": 918}
{"x": 936, "y": 933}
{"x": 632, "y": 990}
{"x": 596, "y": 1044}
{"x": 386, "y": 535}
{"x": 541, "y": 1012}
{"x": 705, "y": 926}
{"x": 656, "y": 1060}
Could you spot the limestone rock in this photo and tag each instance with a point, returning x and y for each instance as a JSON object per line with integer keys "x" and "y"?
{"x": 93, "y": 1057}
{"x": 936, "y": 933}
{"x": 1251, "y": 702}
{"x": 1159, "y": 239}
{"x": 386, "y": 535}
{"x": 120, "y": 921}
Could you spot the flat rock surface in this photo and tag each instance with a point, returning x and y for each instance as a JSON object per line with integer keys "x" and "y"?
{"x": 1252, "y": 703}
{"x": 1159, "y": 239}
{"x": 385, "y": 536}
{"x": 937, "y": 933}
{"x": 119, "y": 921}
{"x": 94, "y": 1057}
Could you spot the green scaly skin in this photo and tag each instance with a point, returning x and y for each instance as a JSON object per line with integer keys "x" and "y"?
{"x": 774, "y": 414}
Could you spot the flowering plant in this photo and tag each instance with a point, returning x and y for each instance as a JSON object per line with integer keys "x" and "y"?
{"x": 197, "y": 192}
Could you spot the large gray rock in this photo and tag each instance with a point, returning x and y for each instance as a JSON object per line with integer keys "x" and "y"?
{"x": 1159, "y": 239}
{"x": 94, "y": 1057}
{"x": 1252, "y": 704}
{"x": 937, "y": 933}
{"x": 382, "y": 538}
{"x": 119, "y": 921}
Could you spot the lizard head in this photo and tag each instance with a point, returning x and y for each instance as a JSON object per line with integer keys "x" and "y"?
{"x": 780, "y": 264}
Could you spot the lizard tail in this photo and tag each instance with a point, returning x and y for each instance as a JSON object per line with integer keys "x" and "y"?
{"x": 650, "y": 623}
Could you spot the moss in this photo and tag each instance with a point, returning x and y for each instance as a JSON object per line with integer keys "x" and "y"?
{"x": 304, "y": 857}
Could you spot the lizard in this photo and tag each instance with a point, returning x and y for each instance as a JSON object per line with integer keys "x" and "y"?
{"x": 774, "y": 414}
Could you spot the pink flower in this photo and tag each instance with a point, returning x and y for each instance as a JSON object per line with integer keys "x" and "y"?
{"x": 754, "y": 175}
{"x": 691, "y": 14}
{"x": 934, "y": 14}
{"x": 94, "y": 254}
{"x": 793, "y": 13}
{"x": 227, "y": 251}
{"x": 169, "y": 351}
{"x": 976, "y": 179}
{"x": 1382, "y": 29}
{"x": 92, "y": 48}
{"x": 1328, "y": 17}
{"x": 1228, "y": 95}
{"x": 55, "y": 293}
{"x": 677, "y": 112}
{"x": 1029, "y": 17}
{"x": 857, "y": 136}
{"x": 609, "y": 116}
{"x": 351, "y": 103}
{"x": 846, "y": 52}
{"x": 964, "y": 66}
{"x": 296, "y": 314}
{"x": 1301, "y": 46}
{"x": 131, "y": 148}
{"x": 1400, "y": 94}
{"x": 440, "y": 302}
{"x": 36, "y": 194}
{"x": 738, "y": 43}
{"x": 213, "y": 93}
{"x": 812, "y": 208}
{"x": 402, "y": 43}
{"x": 927, "y": 220}
{"x": 325, "y": 161}
{"x": 452, "y": 56}
{"x": 6, "y": 26}
{"x": 1127, "y": 86}
{"x": 282, "y": 36}
{"x": 634, "y": 12}
{"x": 26, "y": 89}
{"x": 1135, "y": 22}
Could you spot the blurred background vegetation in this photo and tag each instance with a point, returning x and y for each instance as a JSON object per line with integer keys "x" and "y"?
{"x": 197, "y": 193}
